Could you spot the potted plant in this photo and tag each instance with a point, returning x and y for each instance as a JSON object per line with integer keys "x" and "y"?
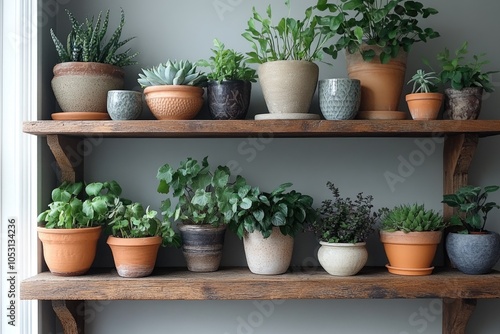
{"x": 285, "y": 52}
{"x": 342, "y": 228}
{"x": 424, "y": 102}
{"x": 135, "y": 236}
{"x": 202, "y": 209}
{"x": 471, "y": 248}
{"x": 173, "y": 90}
{"x": 376, "y": 37}
{"x": 410, "y": 234}
{"x": 268, "y": 227}
{"x": 72, "y": 225}
{"x": 467, "y": 80}
{"x": 89, "y": 67}
{"x": 229, "y": 83}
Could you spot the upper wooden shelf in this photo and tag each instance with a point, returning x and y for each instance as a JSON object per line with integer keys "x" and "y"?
{"x": 240, "y": 284}
{"x": 277, "y": 128}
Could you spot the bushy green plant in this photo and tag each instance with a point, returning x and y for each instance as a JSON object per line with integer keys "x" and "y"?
{"x": 290, "y": 211}
{"x": 289, "y": 39}
{"x": 204, "y": 196}
{"x": 424, "y": 82}
{"x": 411, "y": 218}
{"x": 227, "y": 64}
{"x": 472, "y": 207}
{"x": 344, "y": 220}
{"x": 70, "y": 208}
{"x": 172, "y": 72}
{"x": 460, "y": 73}
{"x": 132, "y": 221}
{"x": 391, "y": 24}
{"x": 85, "y": 42}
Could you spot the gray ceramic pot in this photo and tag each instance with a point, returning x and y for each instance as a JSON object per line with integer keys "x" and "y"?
{"x": 473, "y": 253}
{"x": 339, "y": 98}
{"x": 124, "y": 104}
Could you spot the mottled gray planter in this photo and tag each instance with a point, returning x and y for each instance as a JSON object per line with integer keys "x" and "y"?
{"x": 229, "y": 99}
{"x": 202, "y": 246}
{"x": 463, "y": 104}
{"x": 473, "y": 253}
{"x": 339, "y": 98}
{"x": 124, "y": 104}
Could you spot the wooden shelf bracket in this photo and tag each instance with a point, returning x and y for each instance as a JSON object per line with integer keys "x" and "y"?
{"x": 69, "y": 156}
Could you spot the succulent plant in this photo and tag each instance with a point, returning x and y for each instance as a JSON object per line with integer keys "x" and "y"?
{"x": 411, "y": 218}
{"x": 172, "y": 72}
{"x": 85, "y": 42}
{"x": 424, "y": 82}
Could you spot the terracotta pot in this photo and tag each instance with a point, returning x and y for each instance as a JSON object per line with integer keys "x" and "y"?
{"x": 174, "y": 102}
{"x": 134, "y": 257}
{"x": 424, "y": 106}
{"x": 202, "y": 246}
{"x": 410, "y": 253}
{"x": 229, "y": 99}
{"x": 341, "y": 259}
{"x": 271, "y": 256}
{"x": 69, "y": 252}
{"x": 463, "y": 104}
{"x": 83, "y": 86}
{"x": 381, "y": 84}
{"x": 288, "y": 85}
{"x": 473, "y": 254}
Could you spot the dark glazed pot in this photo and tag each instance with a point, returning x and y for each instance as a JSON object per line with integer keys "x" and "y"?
{"x": 229, "y": 99}
{"x": 473, "y": 254}
{"x": 202, "y": 246}
{"x": 463, "y": 104}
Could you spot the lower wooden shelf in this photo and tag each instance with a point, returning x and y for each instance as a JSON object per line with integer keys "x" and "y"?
{"x": 458, "y": 291}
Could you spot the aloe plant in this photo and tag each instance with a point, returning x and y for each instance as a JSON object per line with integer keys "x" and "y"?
{"x": 85, "y": 42}
{"x": 172, "y": 72}
{"x": 424, "y": 82}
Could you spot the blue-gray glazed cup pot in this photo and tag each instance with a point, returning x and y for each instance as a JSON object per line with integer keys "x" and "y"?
{"x": 124, "y": 104}
{"x": 339, "y": 98}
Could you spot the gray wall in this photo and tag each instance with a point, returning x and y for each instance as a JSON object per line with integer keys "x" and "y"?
{"x": 185, "y": 29}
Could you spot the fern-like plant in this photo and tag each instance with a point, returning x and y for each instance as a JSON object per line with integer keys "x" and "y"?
{"x": 85, "y": 42}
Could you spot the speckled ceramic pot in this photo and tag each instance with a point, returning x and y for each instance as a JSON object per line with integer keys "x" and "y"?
{"x": 339, "y": 98}
{"x": 473, "y": 254}
{"x": 463, "y": 104}
{"x": 340, "y": 259}
{"x": 288, "y": 85}
{"x": 229, "y": 99}
{"x": 271, "y": 256}
{"x": 83, "y": 86}
{"x": 124, "y": 104}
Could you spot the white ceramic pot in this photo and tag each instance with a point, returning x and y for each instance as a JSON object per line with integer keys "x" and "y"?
{"x": 288, "y": 85}
{"x": 340, "y": 259}
{"x": 270, "y": 256}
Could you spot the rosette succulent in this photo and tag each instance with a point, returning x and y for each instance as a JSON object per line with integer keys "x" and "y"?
{"x": 172, "y": 72}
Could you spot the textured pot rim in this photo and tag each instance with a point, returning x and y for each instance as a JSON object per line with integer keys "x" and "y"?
{"x": 201, "y": 227}
{"x": 466, "y": 90}
{"x": 342, "y": 244}
{"x": 124, "y": 91}
{"x": 290, "y": 61}
{"x": 433, "y": 237}
{"x": 43, "y": 229}
{"x": 477, "y": 235}
{"x": 339, "y": 79}
{"x": 217, "y": 83}
{"x": 73, "y": 67}
{"x": 424, "y": 96}
{"x": 115, "y": 241}
{"x": 161, "y": 88}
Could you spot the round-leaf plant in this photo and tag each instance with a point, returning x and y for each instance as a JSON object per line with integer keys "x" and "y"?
{"x": 345, "y": 220}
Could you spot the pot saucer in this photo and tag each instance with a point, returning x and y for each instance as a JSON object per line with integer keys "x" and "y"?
{"x": 381, "y": 115}
{"x": 409, "y": 271}
{"x": 286, "y": 116}
{"x": 80, "y": 116}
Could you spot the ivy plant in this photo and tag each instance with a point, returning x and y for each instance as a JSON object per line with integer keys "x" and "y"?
{"x": 344, "y": 220}
{"x": 392, "y": 25}
{"x": 86, "y": 42}
{"x": 227, "y": 64}
{"x": 289, "y": 39}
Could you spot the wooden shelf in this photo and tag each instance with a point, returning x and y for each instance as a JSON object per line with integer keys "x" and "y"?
{"x": 240, "y": 284}
{"x": 278, "y": 128}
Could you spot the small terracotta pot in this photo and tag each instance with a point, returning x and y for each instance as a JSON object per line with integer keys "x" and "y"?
{"x": 134, "y": 257}
{"x": 424, "y": 106}
{"x": 202, "y": 246}
{"x": 174, "y": 102}
{"x": 410, "y": 253}
{"x": 270, "y": 256}
{"x": 69, "y": 252}
{"x": 84, "y": 86}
